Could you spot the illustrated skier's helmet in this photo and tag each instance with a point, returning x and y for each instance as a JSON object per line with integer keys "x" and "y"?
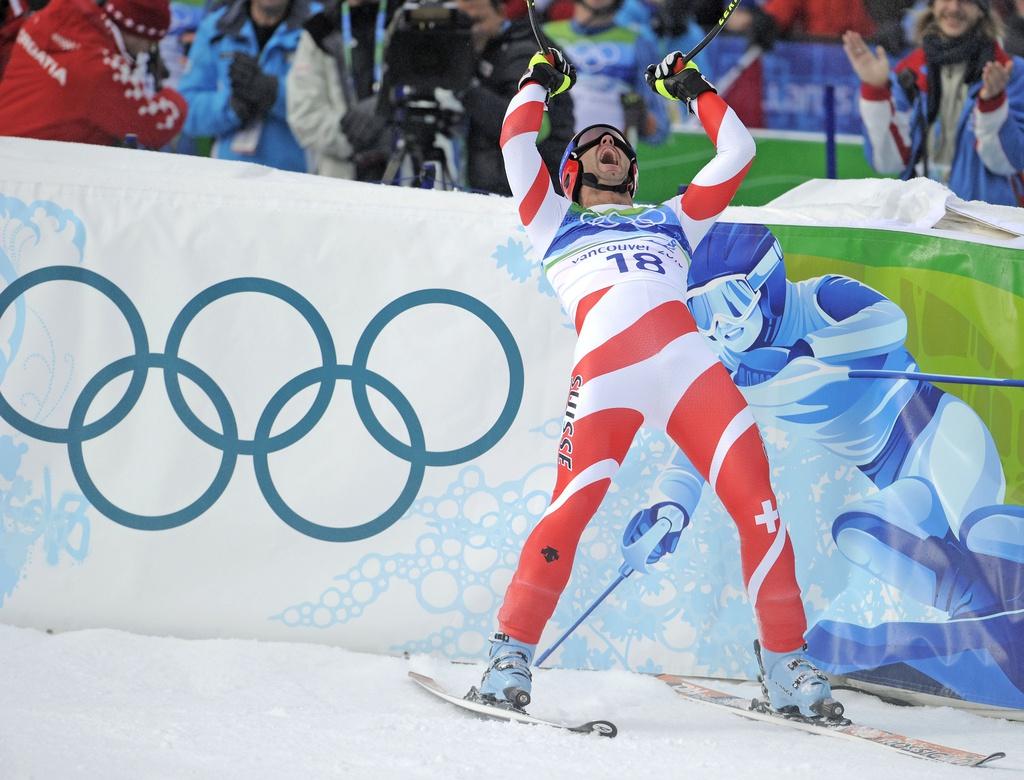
{"x": 571, "y": 174}
{"x": 735, "y": 269}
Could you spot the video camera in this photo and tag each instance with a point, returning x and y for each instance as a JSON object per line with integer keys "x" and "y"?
{"x": 428, "y": 46}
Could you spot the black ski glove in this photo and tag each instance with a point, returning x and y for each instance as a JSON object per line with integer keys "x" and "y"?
{"x": 553, "y": 72}
{"x": 676, "y": 79}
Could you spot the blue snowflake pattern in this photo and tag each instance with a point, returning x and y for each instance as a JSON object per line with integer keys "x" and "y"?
{"x": 461, "y": 565}
{"x": 689, "y": 614}
{"x": 514, "y": 257}
{"x": 25, "y": 518}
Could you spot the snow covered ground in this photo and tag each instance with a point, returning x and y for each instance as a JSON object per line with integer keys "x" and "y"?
{"x": 107, "y": 704}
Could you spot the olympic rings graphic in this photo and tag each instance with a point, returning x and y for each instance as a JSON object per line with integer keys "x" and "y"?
{"x": 647, "y": 219}
{"x": 327, "y": 375}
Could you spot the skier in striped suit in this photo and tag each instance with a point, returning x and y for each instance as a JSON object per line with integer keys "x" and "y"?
{"x": 620, "y": 271}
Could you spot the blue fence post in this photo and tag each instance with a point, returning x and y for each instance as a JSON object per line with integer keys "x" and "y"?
{"x": 830, "y": 132}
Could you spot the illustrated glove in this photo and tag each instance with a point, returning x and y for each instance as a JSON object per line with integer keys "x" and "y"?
{"x": 552, "y": 71}
{"x": 676, "y": 79}
{"x": 644, "y": 520}
{"x": 760, "y": 365}
{"x": 253, "y": 92}
{"x": 800, "y": 383}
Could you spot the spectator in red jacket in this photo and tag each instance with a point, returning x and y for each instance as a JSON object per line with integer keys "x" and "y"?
{"x": 805, "y": 18}
{"x": 84, "y": 73}
{"x": 13, "y": 14}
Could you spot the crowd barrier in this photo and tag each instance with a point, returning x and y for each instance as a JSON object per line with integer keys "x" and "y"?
{"x": 238, "y": 402}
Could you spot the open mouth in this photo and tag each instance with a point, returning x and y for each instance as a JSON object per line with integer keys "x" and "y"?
{"x": 608, "y": 156}
{"x": 729, "y": 332}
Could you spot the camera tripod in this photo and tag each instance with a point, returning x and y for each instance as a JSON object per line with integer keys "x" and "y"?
{"x": 419, "y": 160}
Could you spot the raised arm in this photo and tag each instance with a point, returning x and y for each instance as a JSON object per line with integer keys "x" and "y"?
{"x": 717, "y": 182}
{"x": 886, "y": 113}
{"x": 131, "y": 104}
{"x": 540, "y": 208}
{"x": 999, "y": 118}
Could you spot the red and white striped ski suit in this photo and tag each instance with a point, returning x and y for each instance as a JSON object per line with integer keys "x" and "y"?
{"x": 639, "y": 360}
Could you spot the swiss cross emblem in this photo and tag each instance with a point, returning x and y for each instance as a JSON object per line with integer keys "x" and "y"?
{"x": 768, "y": 516}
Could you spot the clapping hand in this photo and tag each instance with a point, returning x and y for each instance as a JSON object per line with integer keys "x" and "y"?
{"x": 253, "y": 92}
{"x": 994, "y": 78}
{"x": 871, "y": 67}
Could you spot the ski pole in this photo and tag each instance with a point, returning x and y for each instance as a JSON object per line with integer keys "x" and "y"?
{"x": 922, "y": 377}
{"x": 531, "y": 11}
{"x": 713, "y": 32}
{"x": 635, "y": 554}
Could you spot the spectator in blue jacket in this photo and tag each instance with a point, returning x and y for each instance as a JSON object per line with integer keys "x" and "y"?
{"x": 235, "y": 81}
{"x": 610, "y": 61}
{"x": 952, "y": 110}
{"x": 671, "y": 21}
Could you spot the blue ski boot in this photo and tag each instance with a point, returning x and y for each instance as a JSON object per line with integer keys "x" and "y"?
{"x": 507, "y": 679}
{"x": 795, "y": 685}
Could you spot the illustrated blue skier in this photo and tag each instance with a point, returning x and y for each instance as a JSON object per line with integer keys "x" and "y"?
{"x": 937, "y": 528}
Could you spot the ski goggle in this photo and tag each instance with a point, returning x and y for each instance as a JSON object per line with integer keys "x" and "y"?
{"x": 592, "y": 137}
{"x": 728, "y": 299}
{"x": 732, "y": 299}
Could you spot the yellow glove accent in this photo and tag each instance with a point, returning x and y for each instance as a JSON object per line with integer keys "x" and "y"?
{"x": 538, "y": 59}
{"x": 541, "y": 59}
{"x": 659, "y": 85}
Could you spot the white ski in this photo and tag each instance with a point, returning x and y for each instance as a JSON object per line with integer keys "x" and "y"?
{"x": 601, "y": 727}
{"x": 907, "y": 745}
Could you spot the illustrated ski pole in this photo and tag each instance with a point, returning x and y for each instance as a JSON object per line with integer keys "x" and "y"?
{"x": 615, "y": 583}
{"x": 944, "y": 378}
{"x": 635, "y": 554}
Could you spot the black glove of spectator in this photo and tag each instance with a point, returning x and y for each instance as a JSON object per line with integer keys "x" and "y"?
{"x": 242, "y": 69}
{"x": 362, "y": 125}
{"x": 672, "y": 18}
{"x": 764, "y": 30}
{"x": 155, "y": 67}
{"x": 552, "y": 71}
{"x": 635, "y": 110}
{"x": 253, "y": 92}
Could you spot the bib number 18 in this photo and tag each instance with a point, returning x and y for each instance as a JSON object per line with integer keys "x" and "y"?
{"x": 640, "y": 261}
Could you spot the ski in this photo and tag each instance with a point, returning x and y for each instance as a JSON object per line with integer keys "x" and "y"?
{"x": 756, "y": 709}
{"x": 476, "y": 705}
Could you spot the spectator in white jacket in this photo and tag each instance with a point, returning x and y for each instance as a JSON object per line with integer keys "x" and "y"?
{"x": 341, "y": 133}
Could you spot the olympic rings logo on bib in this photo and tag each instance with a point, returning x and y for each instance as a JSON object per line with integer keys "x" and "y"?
{"x": 327, "y": 375}
{"x": 612, "y": 219}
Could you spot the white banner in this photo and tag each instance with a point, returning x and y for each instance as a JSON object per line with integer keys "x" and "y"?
{"x": 241, "y": 402}
{"x": 166, "y": 308}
